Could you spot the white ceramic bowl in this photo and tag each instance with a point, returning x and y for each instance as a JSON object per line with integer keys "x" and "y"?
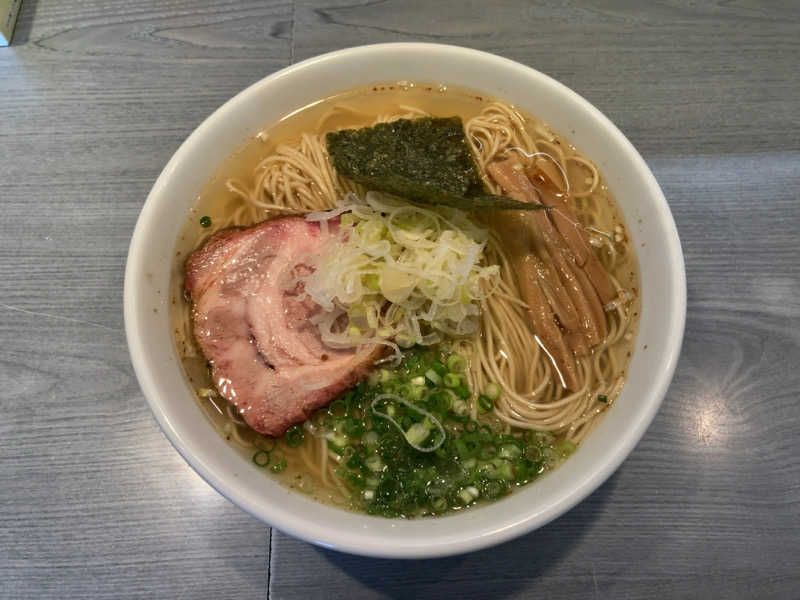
{"x": 166, "y": 210}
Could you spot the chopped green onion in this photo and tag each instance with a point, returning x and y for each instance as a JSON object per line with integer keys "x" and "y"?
{"x": 337, "y": 439}
{"x": 492, "y": 390}
{"x": 415, "y": 431}
{"x": 261, "y": 458}
{"x": 456, "y": 363}
{"x": 565, "y": 448}
{"x": 205, "y": 221}
{"x": 602, "y": 398}
{"x": 504, "y": 471}
{"x": 487, "y": 469}
{"x": 452, "y": 380}
{"x": 550, "y": 456}
{"x": 488, "y": 452}
{"x": 417, "y": 434}
{"x": 374, "y": 463}
{"x": 353, "y": 477}
{"x": 533, "y": 453}
{"x": 469, "y": 493}
{"x": 460, "y": 408}
{"x": 416, "y": 392}
{"x": 466, "y": 448}
{"x": 438, "y": 402}
{"x": 433, "y": 377}
{"x": 439, "y": 368}
{"x": 404, "y": 443}
{"x": 352, "y": 427}
{"x": 294, "y": 436}
{"x": 510, "y": 451}
{"x": 462, "y": 392}
{"x": 403, "y": 390}
{"x": 438, "y": 503}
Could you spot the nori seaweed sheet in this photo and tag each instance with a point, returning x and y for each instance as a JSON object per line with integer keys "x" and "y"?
{"x": 424, "y": 160}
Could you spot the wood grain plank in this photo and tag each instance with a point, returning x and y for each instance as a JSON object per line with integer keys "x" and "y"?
{"x": 163, "y": 31}
{"x": 711, "y": 77}
{"x": 95, "y": 503}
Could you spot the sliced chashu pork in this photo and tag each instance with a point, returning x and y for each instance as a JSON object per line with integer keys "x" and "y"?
{"x": 266, "y": 356}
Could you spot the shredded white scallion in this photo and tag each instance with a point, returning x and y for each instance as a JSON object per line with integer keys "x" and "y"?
{"x": 397, "y": 274}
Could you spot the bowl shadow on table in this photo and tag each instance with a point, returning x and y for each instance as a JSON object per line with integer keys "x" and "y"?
{"x": 494, "y": 572}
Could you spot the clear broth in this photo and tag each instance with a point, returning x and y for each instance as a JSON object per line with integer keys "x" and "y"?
{"x": 355, "y": 108}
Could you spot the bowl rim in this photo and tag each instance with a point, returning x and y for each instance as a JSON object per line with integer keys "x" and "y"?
{"x": 281, "y": 519}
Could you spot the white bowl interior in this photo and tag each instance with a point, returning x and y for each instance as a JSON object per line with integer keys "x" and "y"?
{"x": 166, "y": 210}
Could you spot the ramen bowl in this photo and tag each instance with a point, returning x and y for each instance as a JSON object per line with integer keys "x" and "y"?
{"x": 158, "y": 367}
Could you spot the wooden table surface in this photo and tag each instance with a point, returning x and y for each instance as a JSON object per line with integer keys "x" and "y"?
{"x": 95, "y": 97}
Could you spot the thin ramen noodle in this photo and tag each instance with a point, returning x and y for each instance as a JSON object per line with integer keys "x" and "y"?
{"x": 286, "y": 170}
